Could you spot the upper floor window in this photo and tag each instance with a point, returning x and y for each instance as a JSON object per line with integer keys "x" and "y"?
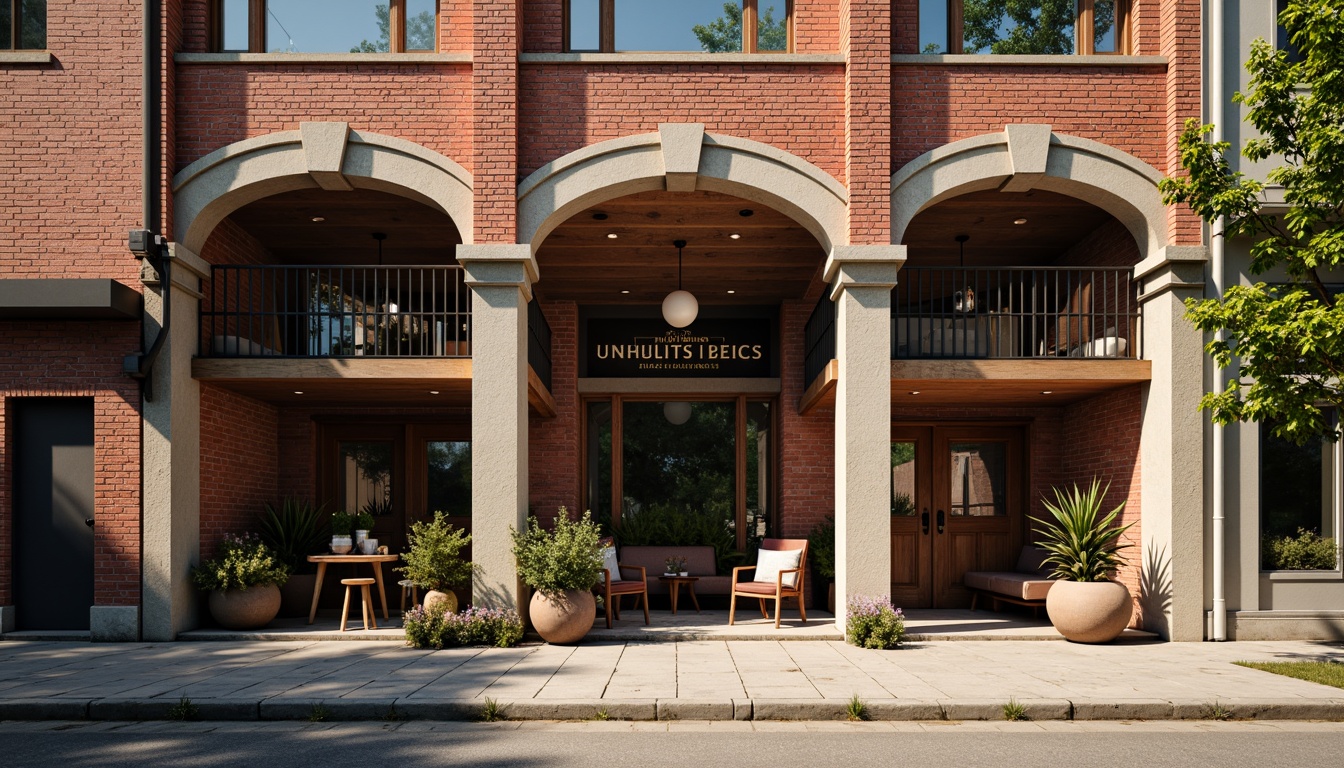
{"x": 1031, "y": 27}
{"x": 325, "y": 26}
{"x": 1282, "y": 41}
{"x": 715, "y": 26}
{"x": 23, "y": 25}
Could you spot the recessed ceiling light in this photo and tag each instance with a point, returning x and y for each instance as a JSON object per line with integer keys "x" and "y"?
{"x": 735, "y": 236}
{"x": 433, "y": 391}
{"x": 298, "y": 391}
{"x": 1047, "y": 392}
{"x": 612, "y": 235}
{"x": 319, "y": 219}
{"x": 732, "y": 291}
{"x": 914, "y": 392}
{"x": 624, "y": 291}
{"x": 599, "y": 216}
{"x": 1019, "y": 221}
{"x": 745, "y": 212}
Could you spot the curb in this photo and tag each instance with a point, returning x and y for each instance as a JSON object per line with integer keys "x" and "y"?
{"x": 461, "y": 709}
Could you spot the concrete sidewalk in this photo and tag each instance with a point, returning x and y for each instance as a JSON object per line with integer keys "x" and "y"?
{"x": 700, "y": 680}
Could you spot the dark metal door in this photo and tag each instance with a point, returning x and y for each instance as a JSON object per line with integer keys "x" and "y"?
{"x": 53, "y": 513}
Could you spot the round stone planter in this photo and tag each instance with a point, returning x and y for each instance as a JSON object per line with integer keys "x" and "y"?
{"x": 1089, "y": 611}
{"x": 565, "y": 619}
{"x": 441, "y": 602}
{"x": 249, "y": 608}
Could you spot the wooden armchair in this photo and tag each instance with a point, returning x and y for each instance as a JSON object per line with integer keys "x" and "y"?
{"x": 614, "y": 589}
{"x": 777, "y": 576}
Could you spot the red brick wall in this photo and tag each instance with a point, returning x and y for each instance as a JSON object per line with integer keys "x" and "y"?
{"x": 807, "y": 451}
{"x": 1179, "y": 25}
{"x": 82, "y": 359}
{"x": 553, "y": 444}
{"x": 239, "y": 463}
{"x": 494, "y": 96}
{"x": 865, "y": 39}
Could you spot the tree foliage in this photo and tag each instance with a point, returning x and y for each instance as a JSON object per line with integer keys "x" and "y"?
{"x": 1018, "y": 26}
{"x": 420, "y": 30}
{"x": 724, "y": 34}
{"x": 1287, "y": 338}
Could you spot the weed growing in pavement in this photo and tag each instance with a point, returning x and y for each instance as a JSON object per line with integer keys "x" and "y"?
{"x": 319, "y": 714}
{"x": 184, "y": 710}
{"x": 1217, "y": 711}
{"x": 1014, "y": 710}
{"x": 602, "y": 714}
{"x": 393, "y": 716}
{"x": 491, "y": 712}
{"x": 856, "y": 709}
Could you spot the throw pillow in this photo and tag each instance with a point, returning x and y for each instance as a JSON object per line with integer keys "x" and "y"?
{"x": 771, "y": 561}
{"x": 609, "y": 562}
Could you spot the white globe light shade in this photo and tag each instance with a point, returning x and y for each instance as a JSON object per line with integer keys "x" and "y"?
{"x": 680, "y": 309}
{"x": 677, "y": 413}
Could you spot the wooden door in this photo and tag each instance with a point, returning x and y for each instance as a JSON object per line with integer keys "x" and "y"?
{"x": 957, "y": 506}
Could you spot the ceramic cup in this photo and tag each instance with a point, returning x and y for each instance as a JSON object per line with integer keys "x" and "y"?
{"x": 369, "y": 546}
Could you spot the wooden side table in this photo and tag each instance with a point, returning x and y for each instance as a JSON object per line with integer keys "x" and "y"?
{"x": 374, "y": 560}
{"x": 674, "y": 588}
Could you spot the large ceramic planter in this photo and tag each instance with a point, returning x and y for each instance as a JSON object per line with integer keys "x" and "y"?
{"x": 1089, "y": 611}
{"x": 440, "y": 602}
{"x": 245, "y": 608}
{"x": 565, "y": 619}
{"x": 296, "y": 595}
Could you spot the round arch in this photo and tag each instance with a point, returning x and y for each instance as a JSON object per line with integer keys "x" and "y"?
{"x": 681, "y": 157}
{"x": 1025, "y": 157}
{"x": 318, "y": 155}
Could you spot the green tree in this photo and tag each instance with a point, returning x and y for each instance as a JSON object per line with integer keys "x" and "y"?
{"x": 1288, "y": 339}
{"x": 724, "y": 34}
{"x": 420, "y": 30}
{"x": 1019, "y": 26}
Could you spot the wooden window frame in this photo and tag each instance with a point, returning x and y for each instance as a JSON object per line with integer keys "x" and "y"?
{"x": 1084, "y": 41}
{"x": 16, "y": 27}
{"x": 256, "y": 27}
{"x": 606, "y": 15}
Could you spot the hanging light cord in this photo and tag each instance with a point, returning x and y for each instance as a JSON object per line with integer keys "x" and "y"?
{"x": 680, "y": 244}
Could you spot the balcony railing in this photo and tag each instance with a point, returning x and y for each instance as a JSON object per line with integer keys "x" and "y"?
{"x": 819, "y": 340}
{"x": 539, "y": 343}
{"x": 335, "y": 311}
{"x": 1014, "y": 312}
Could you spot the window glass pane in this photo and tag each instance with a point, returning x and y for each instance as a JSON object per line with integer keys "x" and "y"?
{"x": 1283, "y": 43}
{"x": 6, "y": 25}
{"x": 448, "y": 476}
{"x": 421, "y": 25}
{"x": 326, "y": 26}
{"x": 903, "y": 479}
{"x": 33, "y": 36}
{"x": 584, "y": 25}
{"x": 1104, "y": 37}
{"x": 978, "y": 479}
{"x": 933, "y": 26}
{"x": 772, "y": 26}
{"x": 365, "y": 477}
{"x": 599, "y": 463}
{"x": 687, "y": 25}
{"x": 1296, "y": 497}
{"x": 233, "y": 19}
{"x": 1024, "y": 27}
{"x": 758, "y": 472}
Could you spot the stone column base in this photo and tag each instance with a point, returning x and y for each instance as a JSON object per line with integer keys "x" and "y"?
{"x": 6, "y": 619}
{"x": 114, "y": 623}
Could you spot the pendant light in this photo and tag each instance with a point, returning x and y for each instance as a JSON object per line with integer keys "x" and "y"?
{"x": 680, "y": 307}
{"x": 963, "y": 301}
{"x": 380, "y": 237}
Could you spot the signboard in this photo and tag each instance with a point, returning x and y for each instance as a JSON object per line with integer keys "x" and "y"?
{"x": 711, "y": 348}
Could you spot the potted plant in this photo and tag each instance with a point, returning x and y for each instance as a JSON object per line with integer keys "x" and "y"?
{"x": 562, "y": 565}
{"x": 675, "y": 566}
{"x": 821, "y": 551}
{"x": 293, "y": 531}
{"x": 433, "y": 561}
{"x": 1085, "y": 605}
{"x": 363, "y": 522}
{"x": 341, "y": 525}
{"x": 243, "y": 581}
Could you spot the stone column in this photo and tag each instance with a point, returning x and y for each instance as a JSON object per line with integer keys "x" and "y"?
{"x": 861, "y": 278}
{"x": 501, "y": 278}
{"x": 171, "y": 457}
{"x": 1172, "y": 446}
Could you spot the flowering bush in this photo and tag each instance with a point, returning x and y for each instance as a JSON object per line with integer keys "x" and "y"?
{"x": 241, "y": 562}
{"x": 874, "y": 623}
{"x": 473, "y": 626}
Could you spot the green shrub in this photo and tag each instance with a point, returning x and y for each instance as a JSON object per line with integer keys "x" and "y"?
{"x": 341, "y": 523}
{"x": 473, "y": 626}
{"x": 569, "y": 557}
{"x": 874, "y": 623}
{"x": 293, "y": 531}
{"x": 821, "y": 548}
{"x": 672, "y": 526}
{"x": 1081, "y": 546}
{"x": 242, "y": 562}
{"x": 432, "y": 558}
{"x": 364, "y": 520}
{"x": 1307, "y": 551}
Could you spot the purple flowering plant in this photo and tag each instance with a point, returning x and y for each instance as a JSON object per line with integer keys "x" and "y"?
{"x": 873, "y": 622}
{"x": 497, "y": 627}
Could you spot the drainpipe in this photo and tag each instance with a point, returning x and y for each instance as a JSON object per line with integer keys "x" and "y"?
{"x": 146, "y": 243}
{"x": 1217, "y": 267}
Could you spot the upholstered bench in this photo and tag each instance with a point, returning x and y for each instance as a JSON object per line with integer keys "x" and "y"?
{"x": 1027, "y": 584}
{"x": 700, "y": 561}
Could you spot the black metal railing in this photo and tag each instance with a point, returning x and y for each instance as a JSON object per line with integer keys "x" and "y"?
{"x": 819, "y": 340}
{"x": 335, "y": 311}
{"x": 539, "y": 343}
{"x": 1014, "y": 312}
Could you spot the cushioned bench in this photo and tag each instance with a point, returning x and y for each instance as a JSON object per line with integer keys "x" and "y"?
{"x": 700, "y": 561}
{"x": 1027, "y": 584}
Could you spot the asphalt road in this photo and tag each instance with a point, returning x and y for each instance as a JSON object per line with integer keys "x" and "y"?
{"x": 696, "y": 745}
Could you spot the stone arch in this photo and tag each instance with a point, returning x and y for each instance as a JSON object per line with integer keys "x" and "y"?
{"x": 318, "y": 155}
{"x": 681, "y": 157}
{"x": 1028, "y": 156}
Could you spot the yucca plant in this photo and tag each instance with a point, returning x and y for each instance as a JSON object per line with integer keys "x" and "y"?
{"x": 1083, "y": 546}
{"x": 293, "y": 530}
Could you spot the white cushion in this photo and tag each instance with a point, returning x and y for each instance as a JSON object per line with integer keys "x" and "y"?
{"x": 771, "y": 561}
{"x": 609, "y": 562}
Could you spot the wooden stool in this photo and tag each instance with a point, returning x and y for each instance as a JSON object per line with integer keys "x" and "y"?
{"x": 411, "y": 588}
{"x": 366, "y": 601}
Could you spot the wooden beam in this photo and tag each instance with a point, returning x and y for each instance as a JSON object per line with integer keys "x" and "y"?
{"x": 538, "y": 396}
{"x": 822, "y": 389}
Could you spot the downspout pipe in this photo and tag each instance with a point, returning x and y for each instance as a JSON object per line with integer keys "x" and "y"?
{"x": 146, "y": 243}
{"x": 1217, "y": 267}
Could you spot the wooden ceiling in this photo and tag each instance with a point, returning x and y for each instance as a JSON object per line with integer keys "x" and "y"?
{"x": 416, "y": 233}
{"x": 1054, "y": 224}
{"x": 772, "y": 259}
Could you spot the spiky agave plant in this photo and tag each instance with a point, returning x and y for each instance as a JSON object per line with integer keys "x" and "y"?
{"x": 1083, "y": 546}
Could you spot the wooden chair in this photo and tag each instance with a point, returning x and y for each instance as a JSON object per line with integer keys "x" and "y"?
{"x": 614, "y": 589}
{"x": 775, "y": 589}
